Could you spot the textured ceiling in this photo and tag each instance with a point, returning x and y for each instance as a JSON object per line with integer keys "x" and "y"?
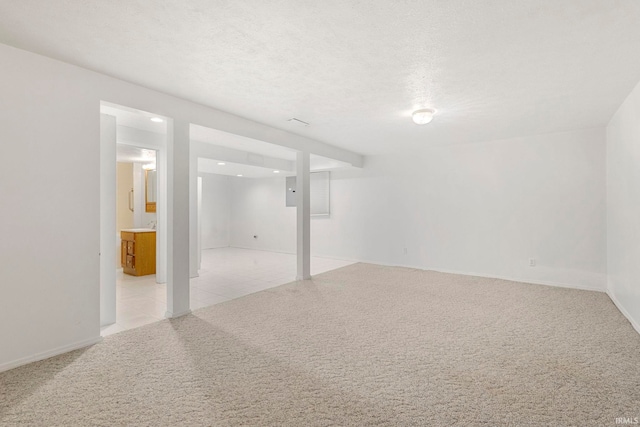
{"x": 356, "y": 69}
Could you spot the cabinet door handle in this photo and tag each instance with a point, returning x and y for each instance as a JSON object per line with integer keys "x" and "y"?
{"x": 131, "y": 200}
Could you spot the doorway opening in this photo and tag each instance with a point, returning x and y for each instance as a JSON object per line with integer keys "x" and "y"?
{"x": 133, "y": 226}
{"x": 245, "y": 228}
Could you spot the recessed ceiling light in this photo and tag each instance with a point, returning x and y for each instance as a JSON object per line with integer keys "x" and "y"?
{"x": 424, "y": 116}
{"x": 276, "y": 171}
{"x": 239, "y": 174}
{"x": 156, "y": 119}
{"x": 221, "y": 163}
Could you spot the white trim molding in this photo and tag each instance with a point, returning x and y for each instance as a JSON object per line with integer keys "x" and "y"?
{"x": 624, "y": 312}
{"x": 594, "y": 288}
{"x": 525, "y": 281}
{"x": 49, "y": 353}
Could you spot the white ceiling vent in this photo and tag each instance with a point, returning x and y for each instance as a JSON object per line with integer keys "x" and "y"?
{"x": 298, "y": 122}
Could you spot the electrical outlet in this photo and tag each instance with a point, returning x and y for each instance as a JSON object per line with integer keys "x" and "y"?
{"x": 532, "y": 262}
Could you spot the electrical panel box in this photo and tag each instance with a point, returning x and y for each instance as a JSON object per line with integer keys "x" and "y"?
{"x": 291, "y": 192}
{"x": 320, "y": 192}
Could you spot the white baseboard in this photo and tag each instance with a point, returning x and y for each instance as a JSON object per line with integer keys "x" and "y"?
{"x": 49, "y": 353}
{"x": 534, "y": 282}
{"x": 217, "y": 247}
{"x": 467, "y": 273}
{"x": 623, "y": 310}
{"x": 170, "y": 315}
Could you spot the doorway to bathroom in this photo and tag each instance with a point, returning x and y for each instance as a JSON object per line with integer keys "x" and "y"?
{"x": 139, "y": 298}
{"x": 133, "y": 230}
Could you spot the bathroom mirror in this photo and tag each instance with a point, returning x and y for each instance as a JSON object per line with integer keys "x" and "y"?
{"x": 151, "y": 190}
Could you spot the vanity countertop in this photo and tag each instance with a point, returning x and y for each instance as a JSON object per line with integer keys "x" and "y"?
{"x": 139, "y": 230}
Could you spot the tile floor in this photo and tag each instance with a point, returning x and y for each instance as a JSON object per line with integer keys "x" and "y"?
{"x": 226, "y": 273}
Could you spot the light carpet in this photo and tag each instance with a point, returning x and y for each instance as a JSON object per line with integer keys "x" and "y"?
{"x": 359, "y": 346}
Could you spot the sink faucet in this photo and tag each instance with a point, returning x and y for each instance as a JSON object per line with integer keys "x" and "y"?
{"x": 152, "y": 225}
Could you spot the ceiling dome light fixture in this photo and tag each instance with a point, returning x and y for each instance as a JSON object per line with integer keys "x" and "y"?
{"x": 424, "y": 116}
{"x": 156, "y": 120}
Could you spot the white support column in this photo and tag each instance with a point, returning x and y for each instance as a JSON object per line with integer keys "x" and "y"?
{"x": 193, "y": 215}
{"x": 199, "y": 226}
{"x": 303, "y": 207}
{"x": 178, "y": 219}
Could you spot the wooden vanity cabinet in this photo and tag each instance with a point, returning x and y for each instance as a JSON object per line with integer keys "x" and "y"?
{"x": 138, "y": 252}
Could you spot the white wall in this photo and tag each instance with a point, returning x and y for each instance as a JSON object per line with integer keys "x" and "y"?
{"x": 362, "y": 225}
{"x": 142, "y": 218}
{"x": 481, "y": 208}
{"x": 50, "y": 220}
{"x": 50, "y": 245}
{"x": 258, "y": 208}
{"x": 216, "y": 211}
{"x": 623, "y": 207}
